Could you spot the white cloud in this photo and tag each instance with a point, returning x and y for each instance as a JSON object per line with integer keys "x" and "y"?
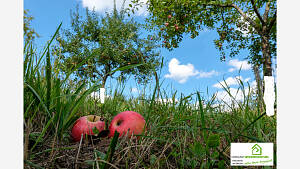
{"x": 231, "y": 69}
{"x": 253, "y": 85}
{"x": 134, "y": 90}
{"x": 229, "y": 81}
{"x": 225, "y": 97}
{"x": 108, "y": 5}
{"x": 237, "y": 95}
{"x": 236, "y": 64}
{"x": 247, "y": 79}
{"x": 180, "y": 73}
{"x": 207, "y": 74}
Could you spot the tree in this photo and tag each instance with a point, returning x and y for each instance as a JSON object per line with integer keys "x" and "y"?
{"x": 249, "y": 24}
{"x": 109, "y": 43}
{"x": 29, "y": 32}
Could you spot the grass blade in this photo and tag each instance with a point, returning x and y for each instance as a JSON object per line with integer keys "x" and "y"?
{"x": 39, "y": 98}
{"x": 48, "y": 79}
{"x": 111, "y": 149}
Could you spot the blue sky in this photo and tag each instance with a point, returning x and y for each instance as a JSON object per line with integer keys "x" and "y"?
{"x": 194, "y": 66}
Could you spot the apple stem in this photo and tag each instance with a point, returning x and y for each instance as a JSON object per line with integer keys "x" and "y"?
{"x": 94, "y": 118}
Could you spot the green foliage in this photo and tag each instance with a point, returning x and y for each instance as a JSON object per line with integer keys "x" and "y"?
{"x": 29, "y": 33}
{"x": 213, "y": 141}
{"x": 95, "y": 131}
{"x": 49, "y": 97}
{"x": 111, "y": 42}
{"x": 55, "y": 100}
{"x": 240, "y": 24}
{"x": 221, "y": 164}
{"x": 111, "y": 150}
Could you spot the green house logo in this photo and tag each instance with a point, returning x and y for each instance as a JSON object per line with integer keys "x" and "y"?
{"x": 256, "y": 150}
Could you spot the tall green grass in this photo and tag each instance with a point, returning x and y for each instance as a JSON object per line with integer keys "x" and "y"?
{"x": 49, "y": 101}
{"x": 195, "y": 133}
{"x": 54, "y": 102}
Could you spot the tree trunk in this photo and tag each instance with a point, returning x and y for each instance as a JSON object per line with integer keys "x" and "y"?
{"x": 104, "y": 81}
{"x": 267, "y": 62}
{"x": 259, "y": 85}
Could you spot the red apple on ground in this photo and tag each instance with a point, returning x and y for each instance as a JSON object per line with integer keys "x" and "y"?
{"x": 84, "y": 125}
{"x": 125, "y": 121}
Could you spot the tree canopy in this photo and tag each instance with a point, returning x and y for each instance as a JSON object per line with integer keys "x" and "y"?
{"x": 109, "y": 42}
{"x": 29, "y": 33}
{"x": 249, "y": 24}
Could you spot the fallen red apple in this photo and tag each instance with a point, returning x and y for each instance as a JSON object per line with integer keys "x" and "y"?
{"x": 84, "y": 125}
{"x": 125, "y": 121}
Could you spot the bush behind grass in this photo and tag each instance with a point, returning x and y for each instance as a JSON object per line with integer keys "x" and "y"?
{"x": 189, "y": 133}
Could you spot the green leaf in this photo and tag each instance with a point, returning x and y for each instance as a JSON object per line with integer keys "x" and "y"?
{"x": 221, "y": 164}
{"x": 100, "y": 154}
{"x": 32, "y": 164}
{"x": 126, "y": 67}
{"x": 89, "y": 162}
{"x": 95, "y": 131}
{"x": 48, "y": 79}
{"x": 215, "y": 155}
{"x": 34, "y": 135}
{"x": 213, "y": 141}
{"x": 111, "y": 149}
{"x": 199, "y": 149}
{"x": 153, "y": 159}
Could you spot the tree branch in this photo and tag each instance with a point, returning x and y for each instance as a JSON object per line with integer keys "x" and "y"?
{"x": 266, "y": 11}
{"x": 272, "y": 22}
{"x": 252, "y": 23}
{"x": 96, "y": 71}
{"x": 257, "y": 13}
{"x": 237, "y": 8}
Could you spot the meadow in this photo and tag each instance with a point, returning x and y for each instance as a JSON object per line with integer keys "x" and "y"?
{"x": 191, "y": 132}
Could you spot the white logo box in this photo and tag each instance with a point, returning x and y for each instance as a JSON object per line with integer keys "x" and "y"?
{"x": 251, "y": 154}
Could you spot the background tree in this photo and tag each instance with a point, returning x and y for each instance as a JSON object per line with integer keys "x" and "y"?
{"x": 29, "y": 32}
{"x": 249, "y": 24}
{"x": 109, "y": 42}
